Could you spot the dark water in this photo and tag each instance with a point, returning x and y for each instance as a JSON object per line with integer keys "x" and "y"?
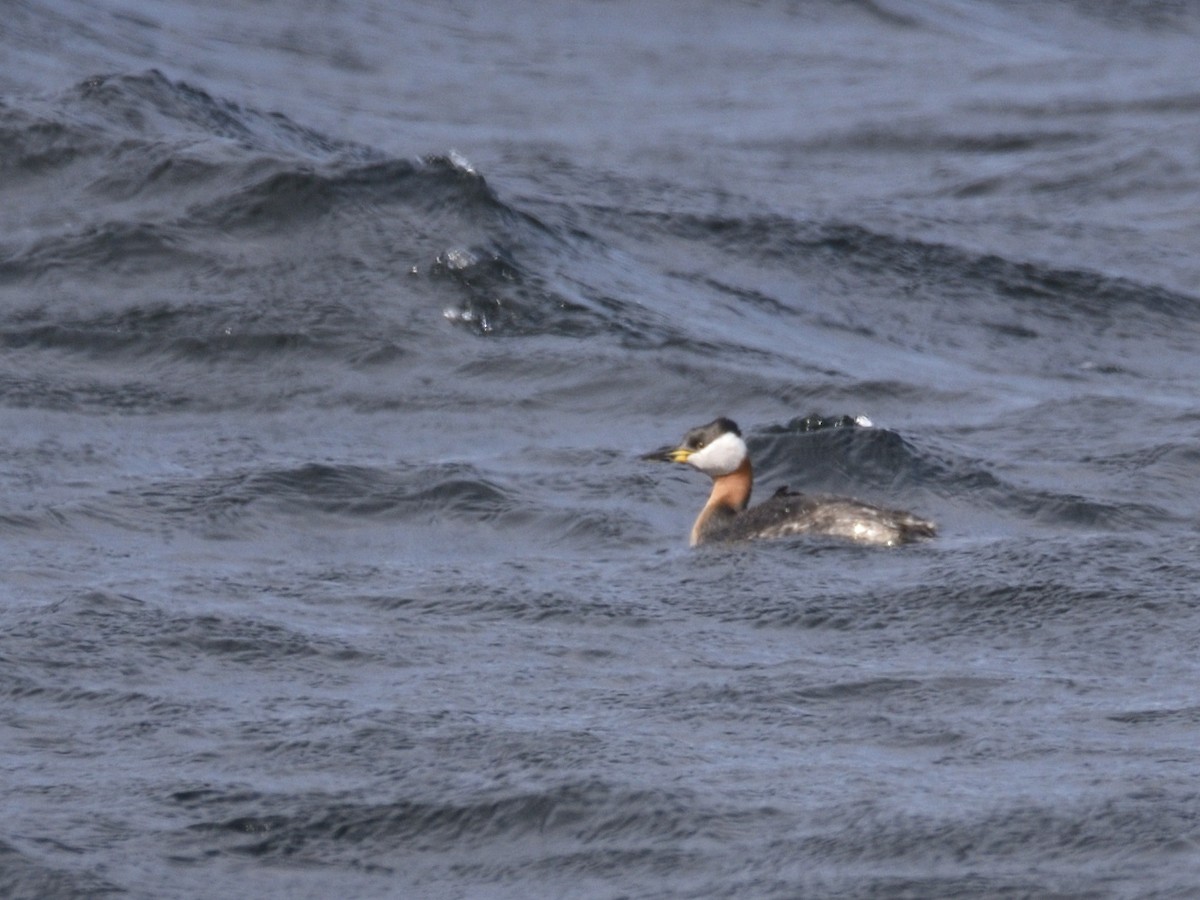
{"x": 331, "y": 333}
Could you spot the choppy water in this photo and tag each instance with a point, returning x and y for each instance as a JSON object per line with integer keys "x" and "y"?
{"x": 331, "y": 334}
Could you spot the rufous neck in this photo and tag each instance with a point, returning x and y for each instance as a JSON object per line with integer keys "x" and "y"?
{"x": 733, "y": 490}
{"x": 729, "y": 492}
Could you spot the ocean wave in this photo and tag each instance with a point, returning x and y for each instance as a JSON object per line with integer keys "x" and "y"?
{"x": 299, "y": 192}
{"x": 925, "y": 271}
{"x": 186, "y": 180}
{"x": 27, "y": 874}
{"x": 837, "y": 447}
{"x": 71, "y": 391}
{"x": 150, "y": 104}
{"x": 571, "y": 814}
{"x": 228, "y": 504}
{"x": 128, "y": 248}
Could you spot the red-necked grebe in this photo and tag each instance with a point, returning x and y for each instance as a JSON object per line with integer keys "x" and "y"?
{"x": 717, "y": 450}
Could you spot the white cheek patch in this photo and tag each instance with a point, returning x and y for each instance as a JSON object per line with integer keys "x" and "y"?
{"x": 720, "y": 457}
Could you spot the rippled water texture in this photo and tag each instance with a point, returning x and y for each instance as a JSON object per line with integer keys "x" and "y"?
{"x": 330, "y": 336}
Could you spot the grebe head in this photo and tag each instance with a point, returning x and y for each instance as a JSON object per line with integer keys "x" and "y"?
{"x": 715, "y": 449}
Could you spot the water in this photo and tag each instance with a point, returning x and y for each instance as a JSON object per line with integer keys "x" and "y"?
{"x": 331, "y": 334}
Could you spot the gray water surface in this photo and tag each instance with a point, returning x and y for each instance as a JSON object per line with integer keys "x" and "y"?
{"x": 331, "y": 334}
